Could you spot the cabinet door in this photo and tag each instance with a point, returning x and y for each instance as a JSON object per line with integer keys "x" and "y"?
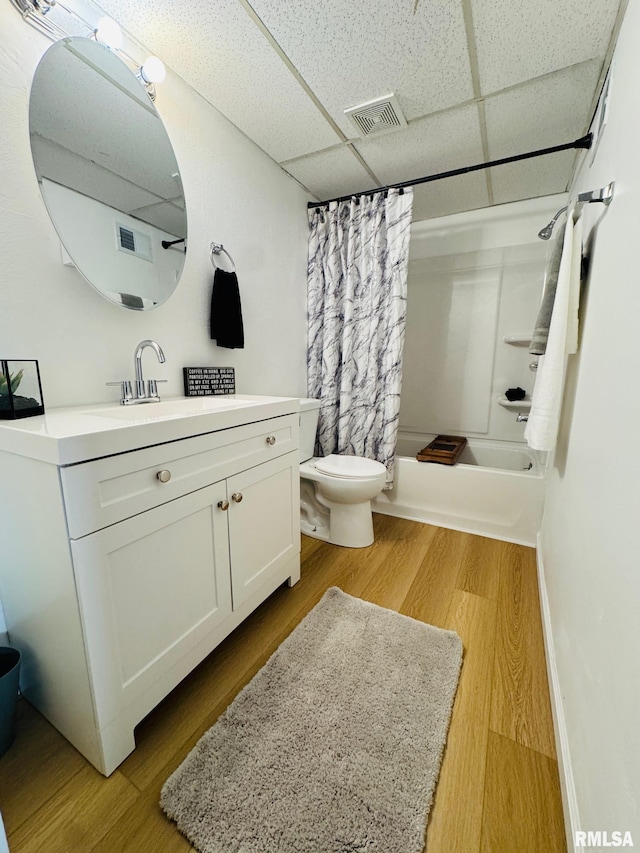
{"x": 151, "y": 589}
{"x": 264, "y": 523}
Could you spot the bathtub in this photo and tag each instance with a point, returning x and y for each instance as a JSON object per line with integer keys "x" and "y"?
{"x": 496, "y": 489}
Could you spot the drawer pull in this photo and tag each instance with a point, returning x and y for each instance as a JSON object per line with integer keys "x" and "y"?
{"x": 271, "y": 439}
{"x": 164, "y": 476}
{"x": 223, "y": 505}
{"x": 237, "y": 497}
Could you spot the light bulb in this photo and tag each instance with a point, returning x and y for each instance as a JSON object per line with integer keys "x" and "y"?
{"x": 109, "y": 33}
{"x": 153, "y": 70}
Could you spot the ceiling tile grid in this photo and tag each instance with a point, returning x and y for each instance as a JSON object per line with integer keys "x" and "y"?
{"x": 225, "y": 57}
{"x": 519, "y": 41}
{"x": 535, "y": 67}
{"x": 352, "y": 52}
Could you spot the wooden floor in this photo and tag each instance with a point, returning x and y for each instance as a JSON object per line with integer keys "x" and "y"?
{"x": 498, "y": 790}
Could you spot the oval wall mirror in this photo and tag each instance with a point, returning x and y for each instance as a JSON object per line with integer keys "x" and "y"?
{"x": 107, "y": 173}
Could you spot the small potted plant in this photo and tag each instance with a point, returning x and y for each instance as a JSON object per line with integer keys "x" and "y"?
{"x": 13, "y": 405}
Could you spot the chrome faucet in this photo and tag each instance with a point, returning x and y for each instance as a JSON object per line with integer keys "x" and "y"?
{"x": 522, "y": 418}
{"x": 150, "y": 393}
{"x": 142, "y": 392}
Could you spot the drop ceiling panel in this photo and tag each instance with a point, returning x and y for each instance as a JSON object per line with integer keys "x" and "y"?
{"x": 519, "y": 41}
{"x": 532, "y": 178}
{"x": 451, "y": 195}
{"x": 331, "y": 173}
{"x": 349, "y": 53}
{"x": 542, "y": 113}
{"x": 223, "y": 55}
{"x": 436, "y": 144}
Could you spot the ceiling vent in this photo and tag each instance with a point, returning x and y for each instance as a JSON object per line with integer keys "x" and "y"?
{"x": 376, "y": 117}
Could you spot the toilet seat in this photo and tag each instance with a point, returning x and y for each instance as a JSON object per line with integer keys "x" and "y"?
{"x": 350, "y": 467}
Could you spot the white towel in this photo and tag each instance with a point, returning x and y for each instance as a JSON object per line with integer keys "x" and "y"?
{"x": 542, "y": 427}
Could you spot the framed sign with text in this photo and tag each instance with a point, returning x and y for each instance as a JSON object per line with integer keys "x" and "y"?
{"x": 208, "y": 381}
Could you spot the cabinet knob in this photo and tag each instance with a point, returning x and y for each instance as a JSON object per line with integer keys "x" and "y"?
{"x": 271, "y": 439}
{"x": 223, "y": 505}
{"x": 164, "y": 476}
{"x": 237, "y": 497}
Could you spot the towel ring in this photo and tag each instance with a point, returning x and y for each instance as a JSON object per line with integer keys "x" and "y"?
{"x": 218, "y": 248}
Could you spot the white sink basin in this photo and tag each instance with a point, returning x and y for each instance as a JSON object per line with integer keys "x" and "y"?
{"x": 66, "y": 436}
{"x": 148, "y": 412}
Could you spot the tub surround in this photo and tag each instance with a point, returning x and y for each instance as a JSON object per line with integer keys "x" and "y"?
{"x": 474, "y": 287}
{"x": 159, "y": 529}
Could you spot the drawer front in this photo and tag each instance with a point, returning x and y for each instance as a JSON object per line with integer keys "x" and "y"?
{"x": 108, "y": 490}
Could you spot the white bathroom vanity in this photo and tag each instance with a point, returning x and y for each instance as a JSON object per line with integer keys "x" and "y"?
{"x": 134, "y": 540}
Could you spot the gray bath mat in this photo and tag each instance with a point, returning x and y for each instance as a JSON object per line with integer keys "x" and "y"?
{"x": 333, "y": 747}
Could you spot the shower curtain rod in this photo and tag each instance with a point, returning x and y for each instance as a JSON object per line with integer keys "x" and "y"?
{"x": 583, "y": 142}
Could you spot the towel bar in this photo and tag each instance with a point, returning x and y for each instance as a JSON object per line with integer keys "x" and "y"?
{"x": 604, "y": 195}
{"x": 218, "y": 248}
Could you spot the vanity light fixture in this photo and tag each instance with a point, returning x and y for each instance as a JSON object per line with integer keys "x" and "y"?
{"x": 34, "y": 12}
{"x": 42, "y": 6}
{"x": 108, "y": 32}
{"x": 150, "y": 72}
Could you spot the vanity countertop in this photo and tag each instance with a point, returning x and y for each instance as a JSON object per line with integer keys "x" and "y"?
{"x": 68, "y": 435}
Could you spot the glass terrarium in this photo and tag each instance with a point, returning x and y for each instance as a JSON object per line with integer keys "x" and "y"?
{"x": 20, "y": 389}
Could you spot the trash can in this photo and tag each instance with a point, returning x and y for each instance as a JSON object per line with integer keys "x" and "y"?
{"x": 9, "y": 674}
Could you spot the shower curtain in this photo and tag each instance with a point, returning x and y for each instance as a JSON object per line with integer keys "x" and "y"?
{"x": 357, "y": 300}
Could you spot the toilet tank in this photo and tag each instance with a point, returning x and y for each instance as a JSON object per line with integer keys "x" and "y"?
{"x": 309, "y": 412}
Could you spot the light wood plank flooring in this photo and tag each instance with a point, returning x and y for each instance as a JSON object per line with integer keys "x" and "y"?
{"x": 498, "y": 790}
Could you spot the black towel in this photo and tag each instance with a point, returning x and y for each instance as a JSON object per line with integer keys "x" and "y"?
{"x": 226, "y": 311}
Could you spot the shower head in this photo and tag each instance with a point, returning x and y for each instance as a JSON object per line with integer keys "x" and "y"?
{"x": 546, "y": 232}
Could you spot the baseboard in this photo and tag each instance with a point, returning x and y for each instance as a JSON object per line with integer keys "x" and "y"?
{"x": 565, "y": 770}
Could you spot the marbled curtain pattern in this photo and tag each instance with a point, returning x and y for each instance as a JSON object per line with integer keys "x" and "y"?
{"x": 357, "y": 308}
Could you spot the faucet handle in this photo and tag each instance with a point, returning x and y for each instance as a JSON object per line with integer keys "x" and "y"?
{"x": 125, "y": 390}
{"x": 152, "y": 387}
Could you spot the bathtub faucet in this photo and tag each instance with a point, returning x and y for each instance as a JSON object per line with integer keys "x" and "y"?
{"x": 522, "y": 418}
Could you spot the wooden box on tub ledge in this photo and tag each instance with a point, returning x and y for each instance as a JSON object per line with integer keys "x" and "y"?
{"x": 445, "y": 449}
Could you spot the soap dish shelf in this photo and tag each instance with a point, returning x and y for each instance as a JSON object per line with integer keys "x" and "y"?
{"x": 515, "y": 405}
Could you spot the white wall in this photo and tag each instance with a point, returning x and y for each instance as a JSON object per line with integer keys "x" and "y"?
{"x": 474, "y": 278}
{"x": 235, "y": 195}
{"x": 590, "y": 541}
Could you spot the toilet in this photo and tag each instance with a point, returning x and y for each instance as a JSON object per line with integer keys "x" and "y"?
{"x": 335, "y": 491}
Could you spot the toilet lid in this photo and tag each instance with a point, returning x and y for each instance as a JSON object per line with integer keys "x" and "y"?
{"x": 349, "y": 466}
